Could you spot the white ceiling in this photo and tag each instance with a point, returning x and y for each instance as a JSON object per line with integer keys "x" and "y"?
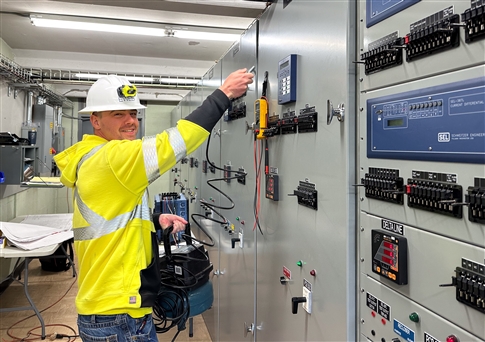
{"x": 61, "y": 49}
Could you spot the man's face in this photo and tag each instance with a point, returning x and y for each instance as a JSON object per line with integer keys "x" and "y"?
{"x": 115, "y": 124}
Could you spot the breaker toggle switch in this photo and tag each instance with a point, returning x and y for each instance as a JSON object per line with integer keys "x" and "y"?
{"x": 294, "y": 304}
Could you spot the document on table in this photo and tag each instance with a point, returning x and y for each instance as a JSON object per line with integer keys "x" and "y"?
{"x": 37, "y": 231}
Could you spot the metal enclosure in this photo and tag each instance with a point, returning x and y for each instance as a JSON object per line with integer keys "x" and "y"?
{"x": 250, "y": 302}
{"x": 438, "y": 240}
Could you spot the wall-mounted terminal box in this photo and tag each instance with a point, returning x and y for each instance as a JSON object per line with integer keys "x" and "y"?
{"x": 204, "y": 166}
{"x": 307, "y": 120}
{"x": 384, "y": 185}
{"x": 469, "y": 281}
{"x": 307, "y": 195}
{"x": 436, "y": 192}
{"x": 474, "y": 20}
{"x": 273, "y": 126}
{"x": 241, "y": 176}
{"x": 227, "y": 173}
{"x": 475, "y": 197}
{"x": 441, "y": 123}
{"x": 383, "y": 53}
{"x": 288, "y": 123}
{"x": 287, "y": 80}
{"x": 18, "y": 163}
{"x": 389, "y": 256}
{"x": 236, "y": 110}
{"x": 435, "y": 33}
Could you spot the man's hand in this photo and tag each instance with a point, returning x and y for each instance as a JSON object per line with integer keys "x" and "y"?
{"x": 236, "y": 84}
{"x": 167, "y": 220}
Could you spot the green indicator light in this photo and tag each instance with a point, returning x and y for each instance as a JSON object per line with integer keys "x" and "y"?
{"x": 414, "y": 317}
{"x": 237, "y": 218}
{"x": 299, "y": 263}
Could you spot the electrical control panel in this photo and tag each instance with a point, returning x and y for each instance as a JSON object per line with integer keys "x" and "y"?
{"x": 287, "y": 79}
{"x": 236, "y": 110}
{"x": 469, "y": 282}
{"x": 389, "y": 256}
{"x": 474, "y": 20}
{"x": 307, "y": 120}
{"x": 448, "y": 119}
{"x": 307, "y": 195}
{"x": 435, "y": 192}
{"x": 289, "y": 123}
{"x": 435, "y": 33}
{"x": 383, "y": 53}
{"x": 384, "y": 184}
{"x": 475, "y": 198}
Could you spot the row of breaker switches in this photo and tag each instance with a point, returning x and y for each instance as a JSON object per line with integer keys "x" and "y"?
{"x": 470, "y": 288}
{"x": 474, "y": 19}
{"x": 441, "y": 35}
{"x": 383, "y": 184}
{"x": 439, "y": 197}
{"x": 475, "y": 198}
{"x": 438, "y": 35}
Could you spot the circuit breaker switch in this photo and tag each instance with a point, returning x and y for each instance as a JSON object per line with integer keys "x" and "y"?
{"x": 294, "y": 304}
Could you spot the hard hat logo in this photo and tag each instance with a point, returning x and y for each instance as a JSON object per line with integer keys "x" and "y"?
{"x": 127, "y": 91}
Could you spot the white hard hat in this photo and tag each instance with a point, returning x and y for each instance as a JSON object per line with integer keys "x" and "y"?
{"x": 112, "y": 93}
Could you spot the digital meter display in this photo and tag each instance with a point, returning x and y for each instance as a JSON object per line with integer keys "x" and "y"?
{"x": 389, "y": 256}
{"x": 284, "y": 65}
{"x": 395, "y": 123}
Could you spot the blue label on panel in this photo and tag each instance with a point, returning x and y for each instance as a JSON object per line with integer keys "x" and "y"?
{"x": 441, "y": 123}
{"x": 378, "y": 10}
{"x": 403, "y": 331}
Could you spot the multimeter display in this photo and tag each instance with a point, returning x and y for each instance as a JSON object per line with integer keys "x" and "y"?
{"x": 287, "y": 80}
{"x": 389, "y": 256}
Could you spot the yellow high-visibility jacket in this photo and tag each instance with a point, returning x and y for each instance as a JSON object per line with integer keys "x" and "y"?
{"x": 113, "y": 232}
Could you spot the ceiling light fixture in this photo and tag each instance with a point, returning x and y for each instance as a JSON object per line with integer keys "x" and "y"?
{"x": 137, "y": 28}
{"x": 147, "y": 79}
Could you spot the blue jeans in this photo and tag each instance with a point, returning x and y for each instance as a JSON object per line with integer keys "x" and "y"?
{"x": 116, "y": 328}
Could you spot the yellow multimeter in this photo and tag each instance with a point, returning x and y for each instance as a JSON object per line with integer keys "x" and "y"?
{"x": 260, "y": 117}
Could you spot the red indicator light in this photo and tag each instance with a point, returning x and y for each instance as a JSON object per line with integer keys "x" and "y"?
{"x": 387, "y": 260}
{"x": 389, "y": 253}
{"x": 388, "y": 245}
{"x": 408, "y": 189}
{"x": 383, "y": 321}
{"x": 373, "y": 314}
{"x": 452, "y": 338}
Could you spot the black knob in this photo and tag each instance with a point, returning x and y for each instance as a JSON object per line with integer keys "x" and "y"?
{"x": 283, "y": 280}
{"x": 233, "y": 242}
{"x": 294, "y": 304}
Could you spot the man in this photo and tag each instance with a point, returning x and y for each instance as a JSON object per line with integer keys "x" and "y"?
{"x": 114, "y": 236}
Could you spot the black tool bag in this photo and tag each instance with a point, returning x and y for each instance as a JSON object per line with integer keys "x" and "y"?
{"x": 58, "y": 261}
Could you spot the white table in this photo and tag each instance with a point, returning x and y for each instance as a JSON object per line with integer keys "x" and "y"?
{"x": 10, "y": 252}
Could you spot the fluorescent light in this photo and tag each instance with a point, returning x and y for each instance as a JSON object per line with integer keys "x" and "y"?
{"x": 155, "y": 80}
{"x": 99, "y": 25}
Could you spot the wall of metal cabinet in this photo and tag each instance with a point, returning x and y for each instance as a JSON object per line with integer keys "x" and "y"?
{"x": 395, "y": 179}
{"x": 295, "y": 246}
{"x": 421, "y": 99}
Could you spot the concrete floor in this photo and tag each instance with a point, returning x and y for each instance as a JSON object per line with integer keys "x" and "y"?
{"x": 54, "y": 294}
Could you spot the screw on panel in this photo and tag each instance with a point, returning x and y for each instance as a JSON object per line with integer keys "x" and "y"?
{"x": 362, "y": 199}
{"x": 361, "y": 79}
{"x": 361, "y": 259}
{"x": 362, "y": 320}
{"x": 361, "y": 109}
{"x": 430, "y": 148}
{"x": 362, "y": 290}
{"x": 361, "y": 229}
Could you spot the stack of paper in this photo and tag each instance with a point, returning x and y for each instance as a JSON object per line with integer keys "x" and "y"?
{"x": 37, "y": 231}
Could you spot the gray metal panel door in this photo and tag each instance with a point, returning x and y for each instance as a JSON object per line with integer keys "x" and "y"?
{"x": 323, "y": 240}
{"x": 237, "y": 285}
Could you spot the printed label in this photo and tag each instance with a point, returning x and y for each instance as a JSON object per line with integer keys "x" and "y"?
{"x": 392, "y": 227}
{"x": 403, "y": 331}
